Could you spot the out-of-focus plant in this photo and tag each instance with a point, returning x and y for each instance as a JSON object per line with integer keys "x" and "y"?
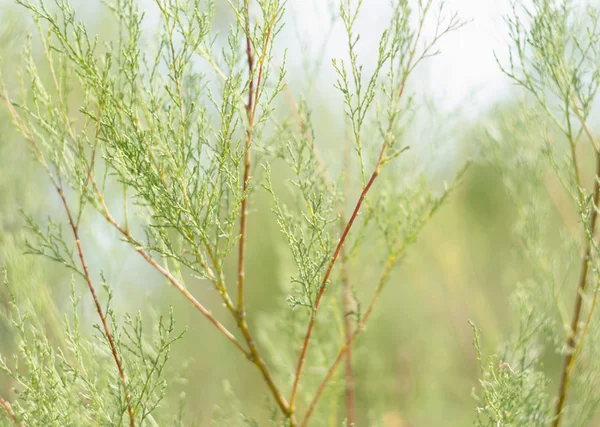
{"x": 185, "y": 134}
{"x": 544, "y": 153}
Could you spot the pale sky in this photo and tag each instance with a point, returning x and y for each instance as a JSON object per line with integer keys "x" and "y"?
{"x": 466, "y": 69}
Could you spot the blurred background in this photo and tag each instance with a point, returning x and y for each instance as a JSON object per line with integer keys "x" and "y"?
{"x": 416, "y": 364}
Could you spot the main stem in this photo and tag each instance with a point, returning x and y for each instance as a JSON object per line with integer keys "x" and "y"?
{"x": 570, "y": 358}
{"x": 240, "y": 311}
{"x": 247, "y": 165}
{"x": 251, "y": 354}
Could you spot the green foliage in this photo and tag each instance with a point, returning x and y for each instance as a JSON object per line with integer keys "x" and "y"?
{"x": 167, "y": 138}
{"x": 513, "y": 387}
{"x": 542, "y": 154}
{"x": 74, "y": 383}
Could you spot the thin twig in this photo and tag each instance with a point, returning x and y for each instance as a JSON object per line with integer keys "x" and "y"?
{"x": 570, "y": 358}
{"x": 251, "y": 107}
{"x": 348, "y": 307}
{"x": 10, "y": 413}
{"x": 374, "y": 175}
{"x": 384, "y": 146}
{"x": 180, "y": 287}
{"x": 75, "y": 230}
{"x": 101, "y": 314}
{"x": 349, "y": 371}
{"x": 347, "y": 299}
{"x": 349, "y": 341}
{"x": 323, "y": 286}
{"x": 252, "y": 354}
{"x": 247, "y": 164}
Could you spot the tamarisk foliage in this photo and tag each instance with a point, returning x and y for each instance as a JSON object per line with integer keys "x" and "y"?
{"x": 185, "y": 133}
{"x": 548, "y": 158}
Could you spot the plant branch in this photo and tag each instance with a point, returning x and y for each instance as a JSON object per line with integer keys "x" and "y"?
{"x": 323, "y": 286}
{"x": 570, "y": 358}
{"x": 252, "y": 354}
{"x": 374, "y": 175}
{"x": 239, "y": 312}
{"x": 247, "y": 164}
{"x": 75, "y": 231}
{"x": 346, "y": 289}
{"x": 251, "y": 107}
{"x": 389, "y": 265}
{"x": 172, "y": 279}
{"x": 88, "y": 280}
{"x": 10, "y": 413}
{"x": 348, "y": 307}
{"x": 349, "y": 371}
{"x": 350, "y": 340}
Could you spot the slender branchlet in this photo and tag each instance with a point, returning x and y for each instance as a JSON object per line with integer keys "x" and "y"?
{"x": 10, "y": 413}
{"x": 401, "y": 38}
{"x": 254, "y": 92}
{"x": 251, "y": 354}
{"x": 57, "y": 183}
{"x": 346, "y": 291}
{"x": 347, "y": 309}
{"x": 312, "y": 319}
{"x": 88, "y": 280}
{"x": 392, "y": 261}
{"x": 251, "y": 108}
{"x": 573, "y": 338}
{"x": 247, "y": 161}
{"x": 183, "y": 149}
{"x": 557, "y": 64}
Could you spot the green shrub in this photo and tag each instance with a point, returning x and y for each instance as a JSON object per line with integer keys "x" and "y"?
{"x": 170, "y": 138}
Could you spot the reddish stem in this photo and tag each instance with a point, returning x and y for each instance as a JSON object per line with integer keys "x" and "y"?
{"x": 323, "y": 286}
{"x": 101, "y": 314}
{"x": 10, "y": 413}
{"x": 569, "y": 360}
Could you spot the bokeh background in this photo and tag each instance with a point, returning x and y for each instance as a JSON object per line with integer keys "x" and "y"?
{"x": 418, "y": 366}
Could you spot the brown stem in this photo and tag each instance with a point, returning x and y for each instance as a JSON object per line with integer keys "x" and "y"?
{"x": 251, "y": 106}
{"x": 570, "y": 358}
{"x": 180, "y": 287}
{"x": 323, "y": 286}
{"x": 10, "y": 413}
{"x": 349, "y": 371}
{"x": 363, "y": 194}
{"x": 74, "y": 228}
{"x": 350, "y": 340}
{"x": 240, "y": 312}
{"x": 346, "y": 291}
{"x": 101, "y": 314}
{"x": 252, "y": 354}
{"x": 247, "y": 165}
{"x": 392, "y": 259}
{"x": 348, "y": 307}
